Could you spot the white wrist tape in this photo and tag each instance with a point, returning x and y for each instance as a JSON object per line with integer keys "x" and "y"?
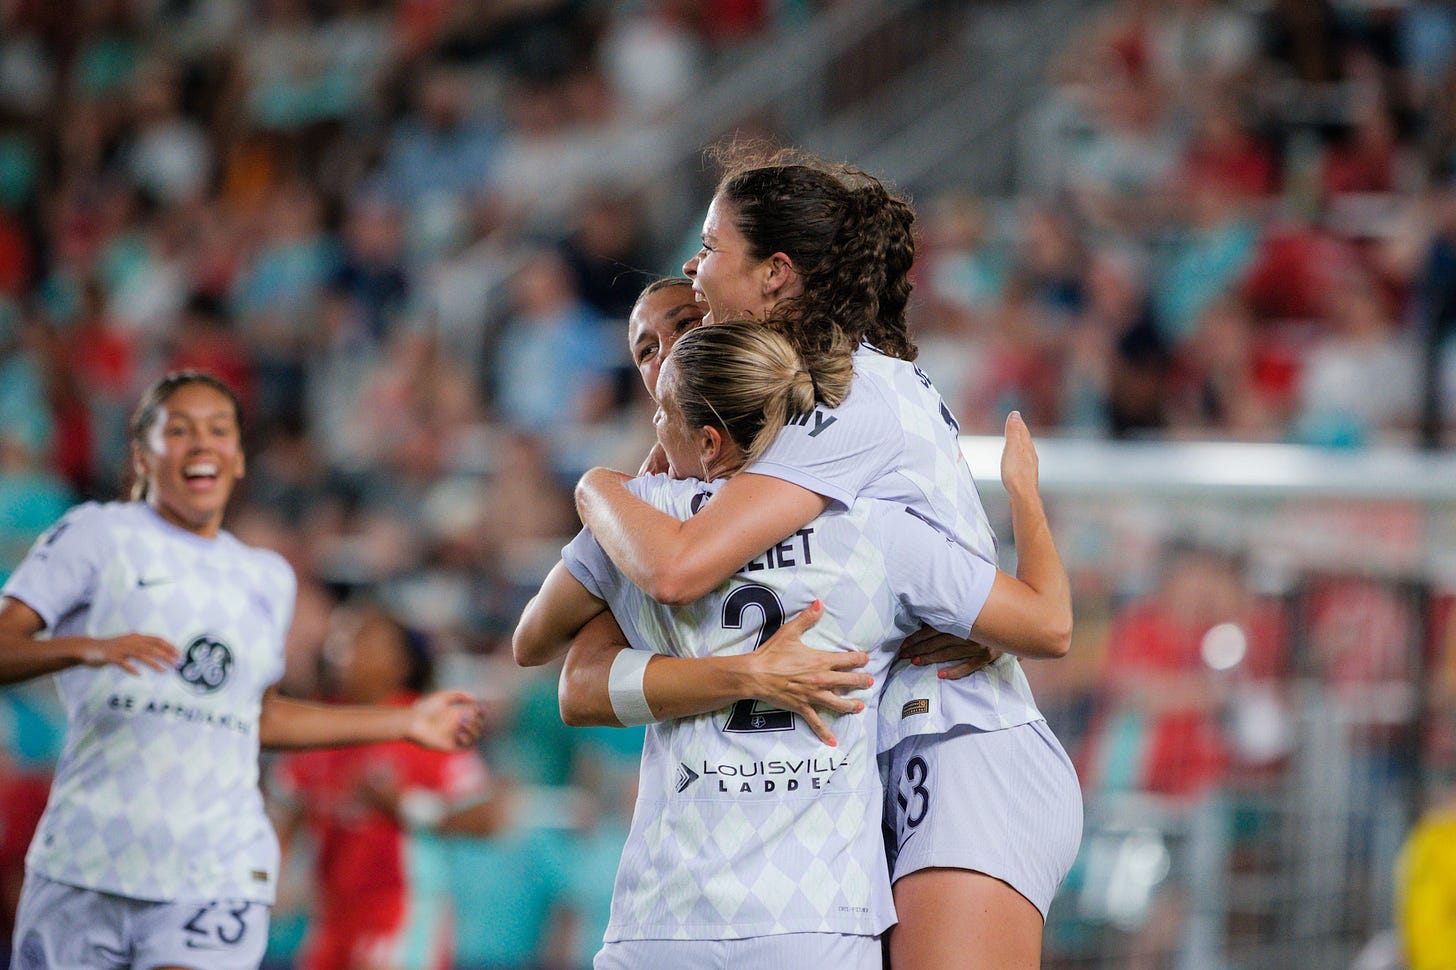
{"x": 625, "y": 686}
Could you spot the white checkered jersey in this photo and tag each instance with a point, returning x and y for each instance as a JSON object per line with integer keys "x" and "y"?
{"x": 156, "y": 793}
{"x": 746, "y": 824}
{"x": 894, "y": 439}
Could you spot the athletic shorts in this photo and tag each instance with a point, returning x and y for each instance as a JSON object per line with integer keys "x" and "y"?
{"x": 61, "y": 927}
{"x": 1006, "y": 803}
{"x": 805, "y": 951}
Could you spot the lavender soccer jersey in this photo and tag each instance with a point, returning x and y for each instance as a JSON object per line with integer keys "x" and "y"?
{"x": 156, "y": 793}
{"x": 894, "y": 439}
{"x": 746, "y": 824}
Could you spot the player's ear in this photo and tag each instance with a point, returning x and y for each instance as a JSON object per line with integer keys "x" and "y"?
{"x": 139, "y": 472}
{"x": 779, "y": 277}
{"x": 710, "y": 445}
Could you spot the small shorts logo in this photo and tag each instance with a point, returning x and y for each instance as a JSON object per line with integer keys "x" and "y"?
{"x": 32, "y": 952}
{"x": 921, "y": 705}
{"x": 685, "y": 777}
{"x": 206, "y": 663}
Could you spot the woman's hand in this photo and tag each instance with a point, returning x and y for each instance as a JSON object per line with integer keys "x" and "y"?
{"x": 447, "y": 720}
{"x": 1018, "y": 458}
{"x": 928, "y": 646}
{"x": 128, "y": 651}
{"x": 795, "y": 677}
{"x": 655, "y": 463}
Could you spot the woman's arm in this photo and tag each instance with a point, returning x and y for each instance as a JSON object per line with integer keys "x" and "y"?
{"x": 1029, "y": 614}
{"x": 446, "y": 720}
{"x": 784, "y": 672}
{"x": 22, "y": 656}
{"x": 676, "y": 562}
{"x": 553, "y": 617}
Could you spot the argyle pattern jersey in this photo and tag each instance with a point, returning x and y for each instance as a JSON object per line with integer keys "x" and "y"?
{"x": 156, "y": 793}
{"x": 746, "y": 824}
{"x": 894, "y": 439}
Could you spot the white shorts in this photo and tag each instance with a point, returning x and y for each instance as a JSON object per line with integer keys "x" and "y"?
{"x": 1006, "y": 803}
{"x": 841, "y": 951}
{"x": 61, "y": 927}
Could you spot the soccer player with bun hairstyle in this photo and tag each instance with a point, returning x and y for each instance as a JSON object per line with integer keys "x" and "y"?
{"x": 751, "y": 842}
{"x": 165, "y": 635}
{"x": 823, "y": 252}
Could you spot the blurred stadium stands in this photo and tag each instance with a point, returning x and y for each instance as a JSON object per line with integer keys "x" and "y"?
{"x": 409, "y": 232}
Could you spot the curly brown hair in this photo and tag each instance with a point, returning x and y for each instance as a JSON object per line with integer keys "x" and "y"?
{"x": 848, "y": 237}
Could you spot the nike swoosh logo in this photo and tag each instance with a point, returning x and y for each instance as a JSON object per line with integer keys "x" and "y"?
{"x": 144, "y": 582}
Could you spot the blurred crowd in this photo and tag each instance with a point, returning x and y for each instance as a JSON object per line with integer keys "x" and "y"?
{"x": 408, "y": 234}
{"x": 1236, "y": 221}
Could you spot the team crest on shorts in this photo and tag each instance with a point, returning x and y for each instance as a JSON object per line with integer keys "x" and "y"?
{"x": 206, "y": 664}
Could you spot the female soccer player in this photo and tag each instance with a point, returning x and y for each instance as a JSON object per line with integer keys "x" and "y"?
{"x": 827, "y": 249}
{"x": 770, "y": 814}
{"x": 166, "y": 636}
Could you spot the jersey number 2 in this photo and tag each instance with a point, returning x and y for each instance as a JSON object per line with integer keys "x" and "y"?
{"x": 748, "y": 716}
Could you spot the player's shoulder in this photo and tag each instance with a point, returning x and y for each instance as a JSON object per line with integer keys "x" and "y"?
{"x": 892, "y": 375}
{"x": 681, "y": 497}
{"x": 266, "y": 561}
{"x": 87, "y": 518}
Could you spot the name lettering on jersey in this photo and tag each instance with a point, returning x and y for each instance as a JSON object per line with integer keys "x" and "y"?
{"x": 131, "y": 704}
{"x": 821, "y": 421}
{"x": 785, "y": 554}
{"x": 945, "y": 414}
{"x": 768, "y": 777}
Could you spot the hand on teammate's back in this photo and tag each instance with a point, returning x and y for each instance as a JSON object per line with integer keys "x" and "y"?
{"x": 793, "y": 676}
{"x": 930, "y": 646}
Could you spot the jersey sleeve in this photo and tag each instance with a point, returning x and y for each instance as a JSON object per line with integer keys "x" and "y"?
{"x": 287, "y": 595}
{"x": 836, "y": 452}
{"x": 60, "y": 571}
{"x": 585, "y": 559}
{"x": 936, "y": 579}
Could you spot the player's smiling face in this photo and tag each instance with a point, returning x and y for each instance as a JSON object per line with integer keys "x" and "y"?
{"x": 192, "y": 457}
{"x": 658, "y": 320}
{"x": 724, "y": 273}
